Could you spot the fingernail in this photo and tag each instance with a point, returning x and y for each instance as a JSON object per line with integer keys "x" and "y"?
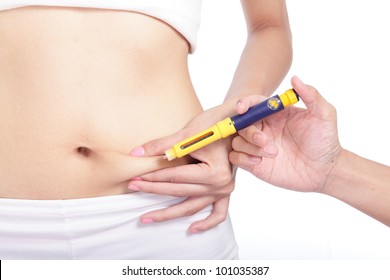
{"x": 137, "y": 152}
{"x": 147, "y": 220}
{"x": 133, "y": 187}
{"x": 239, "y": 106}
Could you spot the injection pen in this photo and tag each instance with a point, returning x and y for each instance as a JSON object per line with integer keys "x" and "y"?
{"x": 233, "y": 124}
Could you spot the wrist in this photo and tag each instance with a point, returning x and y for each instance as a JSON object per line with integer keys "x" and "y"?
{"x": 341, "y": 175}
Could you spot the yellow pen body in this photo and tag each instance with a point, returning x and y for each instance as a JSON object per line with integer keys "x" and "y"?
{"x": 220, "y": 130}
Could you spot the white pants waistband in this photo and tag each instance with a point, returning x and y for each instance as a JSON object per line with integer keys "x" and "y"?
{"x": 106, "y": 228}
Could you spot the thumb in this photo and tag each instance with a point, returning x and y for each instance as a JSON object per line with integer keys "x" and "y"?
{"x": 315, "y": 103}
{"x": 157, "y": 147}
{"x": 244, "y": 103}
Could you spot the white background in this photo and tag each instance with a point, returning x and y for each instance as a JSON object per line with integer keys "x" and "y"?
{"x": 342, "y": 48}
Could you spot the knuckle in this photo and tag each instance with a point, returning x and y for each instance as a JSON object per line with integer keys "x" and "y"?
{"x": 175, "y": 176}
{"x": 227, "y": 189}
{"x": 236, "y": 143}
{"x": 234, "y": 157}
{"x": 231, "y": 187}
{"x": 220, "y": 217}
{"x": 226, "y": 178}
{"x": 221, "y": 178}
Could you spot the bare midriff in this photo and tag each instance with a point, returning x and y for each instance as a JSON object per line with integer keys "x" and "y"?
{"x": 79, "y": 89}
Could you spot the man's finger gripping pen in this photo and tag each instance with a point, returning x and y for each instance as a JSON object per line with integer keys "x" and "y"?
{"x": 233, "y": 124}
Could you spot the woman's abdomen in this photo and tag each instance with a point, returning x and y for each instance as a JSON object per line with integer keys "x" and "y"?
{"x": 77, "y": 94}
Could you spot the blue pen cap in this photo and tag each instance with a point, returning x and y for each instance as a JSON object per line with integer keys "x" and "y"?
{"x": 264, "y": 109}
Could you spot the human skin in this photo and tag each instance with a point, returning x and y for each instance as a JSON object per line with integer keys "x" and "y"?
{"x": 308, "y": 157}
{"x": 79, "y": 88}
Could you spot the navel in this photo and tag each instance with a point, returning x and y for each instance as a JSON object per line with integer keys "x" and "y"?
{"x": 84, "y": 151}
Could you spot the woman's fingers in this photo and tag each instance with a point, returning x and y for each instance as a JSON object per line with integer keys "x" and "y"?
{"x": 218, "y": 215}
{"x": 199, "y": 173}
{"x": 172, "y": 189}
{"x": 244, "y": 161}
{"x": 189, "y": 207}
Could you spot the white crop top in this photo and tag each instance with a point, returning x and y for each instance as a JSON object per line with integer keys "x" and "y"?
{"x": 183, "y": 15}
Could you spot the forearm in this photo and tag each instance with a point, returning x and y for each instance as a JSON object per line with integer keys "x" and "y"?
{"x": 264, "y": 62}
{"x": 363, "y": 184}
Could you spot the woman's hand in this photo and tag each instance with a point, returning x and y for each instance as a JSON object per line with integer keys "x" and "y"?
{"x": 296, "y": 148}
{"x": 207, "y": 181}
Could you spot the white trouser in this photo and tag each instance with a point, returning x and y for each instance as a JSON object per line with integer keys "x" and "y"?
{"x": 106, "y": 228}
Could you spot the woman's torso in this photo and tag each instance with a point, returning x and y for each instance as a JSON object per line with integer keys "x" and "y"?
{"x": 79, "y": 88}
